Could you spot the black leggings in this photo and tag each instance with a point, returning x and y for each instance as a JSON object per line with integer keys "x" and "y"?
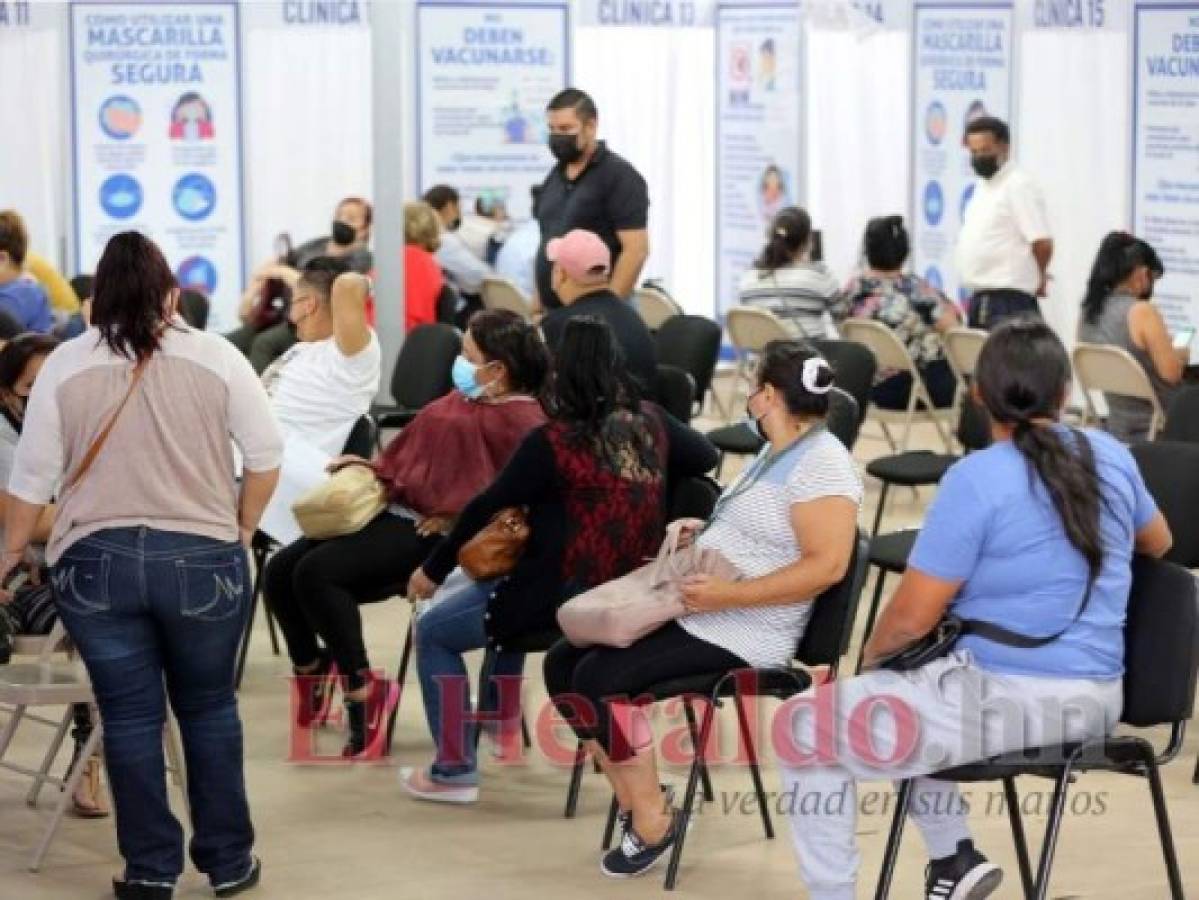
{"x": 594, "y": 675}
{"x": 314, "y": 588}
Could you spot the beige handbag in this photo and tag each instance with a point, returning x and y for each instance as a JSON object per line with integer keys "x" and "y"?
{"x": 626, "y": 609}
{"x": 344, "y": 504}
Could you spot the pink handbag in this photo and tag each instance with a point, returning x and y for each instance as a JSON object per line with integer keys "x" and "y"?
{"x": 626, "y": 609}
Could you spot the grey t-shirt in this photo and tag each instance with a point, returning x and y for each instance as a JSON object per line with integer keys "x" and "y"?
{"x": 360, "y": 259}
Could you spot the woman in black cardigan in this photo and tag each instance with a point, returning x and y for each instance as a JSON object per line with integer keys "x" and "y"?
{"x": 593, "y": 479}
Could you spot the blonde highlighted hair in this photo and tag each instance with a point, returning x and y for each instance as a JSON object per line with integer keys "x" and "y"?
{"x": 421, "y": 226}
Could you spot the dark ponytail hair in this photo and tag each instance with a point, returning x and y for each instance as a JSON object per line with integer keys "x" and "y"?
{"x": 133, "y": 281}
{"x": 504, "y": 337}
{"x": 1023, "y": 374}
{"x": 789, "y": 233}
{"x": 782, "y": 367}
{"x": 1120, "y": 253}
{"x": 886, "y": 244}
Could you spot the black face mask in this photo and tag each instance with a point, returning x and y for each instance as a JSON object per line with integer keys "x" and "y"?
{"x": 343, "y": 234}
{"x": 565, "y": 148}
{"x": 984, "y": 166}
{"x": 456, "y": 224}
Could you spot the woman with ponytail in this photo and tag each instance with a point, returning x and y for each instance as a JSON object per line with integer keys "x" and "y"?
{"x": 1115, "y": 312}
{"x": 1034, "y": 534}
{"x": 785, "y": 281}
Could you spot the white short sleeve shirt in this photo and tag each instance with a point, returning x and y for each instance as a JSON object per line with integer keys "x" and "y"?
{"x": 1004, "y": 218}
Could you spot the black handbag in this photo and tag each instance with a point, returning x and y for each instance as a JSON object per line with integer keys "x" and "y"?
{"x": 941, "y": 640}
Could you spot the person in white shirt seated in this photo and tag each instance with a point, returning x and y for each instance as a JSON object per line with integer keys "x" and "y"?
{"x": 464, "y": 268}
{"x": 1005, "y": 246}
{"x": 785, "y": 281}
{"x": 326, "y": 382}
{"x": 517, "y": 259}
{"x": 485, "y": 230}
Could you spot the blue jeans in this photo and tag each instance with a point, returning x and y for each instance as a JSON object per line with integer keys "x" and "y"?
{"x": 450, "y": 628}
{"x": 146, "y": 607}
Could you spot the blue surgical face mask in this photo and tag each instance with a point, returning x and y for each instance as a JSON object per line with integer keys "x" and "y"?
{"x": 465, "y": 375}
{"x": 751, "y": 421}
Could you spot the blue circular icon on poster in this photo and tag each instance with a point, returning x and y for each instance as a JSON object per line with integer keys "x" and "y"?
{"x": 935, "y": 122}
{"x": 934, "y": 203}
{"x": 121, "y": 196}
{"x": 967, "y": 196}
{"x": 120, "y": 117}
{"x": 933, "y": 276}
{"x": 194, "y": 197}
{"x": 197, "y": 273}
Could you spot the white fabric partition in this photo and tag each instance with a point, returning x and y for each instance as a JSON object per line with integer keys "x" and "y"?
{"x": 307, "y": 101}
{"x": 659, "y": 113}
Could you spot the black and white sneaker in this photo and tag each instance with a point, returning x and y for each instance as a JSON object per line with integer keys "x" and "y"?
{"x": 635, "y": 857}
{"x": 625, "y": 819}
{"x": 964, "y": 876}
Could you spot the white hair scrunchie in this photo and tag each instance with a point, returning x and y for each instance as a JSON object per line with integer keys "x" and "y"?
{"x": 812, "y": 369}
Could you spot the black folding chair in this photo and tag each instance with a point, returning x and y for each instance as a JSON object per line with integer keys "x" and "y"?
{"x": 1182, "y": 417}
{"x": 855, "y": 367}
{"x": 824, "y": 641}
{"x": 690, "y": 343}
{"x": 1161, "y": 640}
{"x": 674, "y": 391}
{"x": 421, "y": 374}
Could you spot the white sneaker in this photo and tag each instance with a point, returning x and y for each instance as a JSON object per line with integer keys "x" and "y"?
{"x": 420, "y": 785}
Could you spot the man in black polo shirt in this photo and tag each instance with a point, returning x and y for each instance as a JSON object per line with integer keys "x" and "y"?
{"x": 594, "y": 189}
{"x": 581, "y": 264}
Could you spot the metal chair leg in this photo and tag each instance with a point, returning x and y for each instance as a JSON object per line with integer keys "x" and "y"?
{"x": 709, "y": 796}
{"x": 894, "y": 839}
{"x": 878, "y": 513}
{"x": 1195, "y": 777}
{"x": 576, "y": 781}
{"x": 871, "y": 616}
{"x": 698, "y": 766}
{"x": 1052, "y": 829}
{"x": 68, "y": 790}
{"x": 754, "y": 771}
{"x": 42, "y": 774}
{"x": 1163, "y": 826}
{"x": 1018, "y": 837}
{"x": 401, "y": 675}
{"x": 524, "y": 733}
{"x": 610, "y": 825}
{"x": 271, "y": 629}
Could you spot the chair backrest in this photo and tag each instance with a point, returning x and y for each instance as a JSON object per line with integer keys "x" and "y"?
{"x": 1113, "y": 370}
{"x": 422, "y": 370}
{"x": 1161, "y": 644}
{"x": 889, "y": 352}
{"x": 751, "y": 328}
{"x": 500, "y": 293}
{"x": 447, "y": 304}
{"x": 1182, "y": 418}
{"x": 843, "y": 422}
{"x": 826, "y": 638}
{"x": 690, "y": 343}
{"x": 674, "y": 391}
{"x": 361, "y": 441}
{"x": 693, "y": 497}
{"x": 854, "y": 366}
{"x": 654, "y": 307}
{"x": 1171, "y": 472}
{"x": 962, "y": 347}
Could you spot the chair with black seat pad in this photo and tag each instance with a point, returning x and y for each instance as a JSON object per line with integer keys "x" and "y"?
{"x": 690, "y": 343}
{"x": 1182, "y": 417}
{"x": 854, "y": 367}
{"x": 1161, "y": 639}
{"x": 674, "y": 391}
{"x": 825, "y": 640}
{"x": 421, "y": 374}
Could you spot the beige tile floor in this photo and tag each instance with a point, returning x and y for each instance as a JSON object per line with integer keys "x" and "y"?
{"x": 348, "y": 832}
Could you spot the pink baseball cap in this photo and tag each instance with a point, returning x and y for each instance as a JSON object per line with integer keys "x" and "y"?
{"x": 582, "y": 256}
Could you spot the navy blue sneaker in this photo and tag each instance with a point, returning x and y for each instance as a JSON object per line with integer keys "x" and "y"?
{"x": 635, "y": 857}
{"x": 250, "y": 880}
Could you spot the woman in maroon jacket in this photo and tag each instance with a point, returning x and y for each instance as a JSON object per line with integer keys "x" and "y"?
{"x": 446, "y": 455}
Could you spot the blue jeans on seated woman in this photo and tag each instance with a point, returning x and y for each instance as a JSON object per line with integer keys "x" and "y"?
{"x": 148, "y": 608}
{"x": 895, "y": 392}
{"x": 447, "y": 630}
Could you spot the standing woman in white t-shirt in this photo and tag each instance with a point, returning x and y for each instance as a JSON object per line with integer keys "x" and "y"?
{"x": 785, "y": 281}
{"x": 788, "y": 526}
{"x": 129, "y": 424}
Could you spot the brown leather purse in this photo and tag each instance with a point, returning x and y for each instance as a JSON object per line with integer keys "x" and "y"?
{"x": 495, "y": 550}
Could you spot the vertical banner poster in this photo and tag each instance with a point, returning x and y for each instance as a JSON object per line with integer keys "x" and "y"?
{"x": 1165, "y": 157}
{"x": 156, "y": 127}
{"x": 485, "y": 72}
{"x": 962, "y": 59}
{"x": 758, "y": 142}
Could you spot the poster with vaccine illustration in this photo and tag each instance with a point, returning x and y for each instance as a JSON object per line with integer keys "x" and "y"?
{"x": 157, "y": 139}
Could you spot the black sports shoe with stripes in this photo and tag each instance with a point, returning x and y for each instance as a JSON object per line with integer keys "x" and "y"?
{"x": 964, "y": 876}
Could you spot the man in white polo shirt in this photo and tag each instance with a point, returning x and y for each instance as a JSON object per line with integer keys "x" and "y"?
{"x": 1004, "y": 247}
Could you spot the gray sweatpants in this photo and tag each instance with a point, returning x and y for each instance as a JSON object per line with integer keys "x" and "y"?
{"x": 893, "y": 726}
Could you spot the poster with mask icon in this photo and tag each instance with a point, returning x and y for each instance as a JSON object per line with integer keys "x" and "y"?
{"x": 759, "y": 108}
{"x": 962, "y": 58}
{"x": 485, "y": 73}
{"x": 1165, "y": 155}
{"x": 157, "y": 139}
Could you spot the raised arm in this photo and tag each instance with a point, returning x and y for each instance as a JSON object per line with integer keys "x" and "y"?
{"x": 348, "y": 302}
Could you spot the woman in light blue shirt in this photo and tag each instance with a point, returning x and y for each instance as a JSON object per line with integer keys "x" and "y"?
{"x": 1035, "y": 533}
